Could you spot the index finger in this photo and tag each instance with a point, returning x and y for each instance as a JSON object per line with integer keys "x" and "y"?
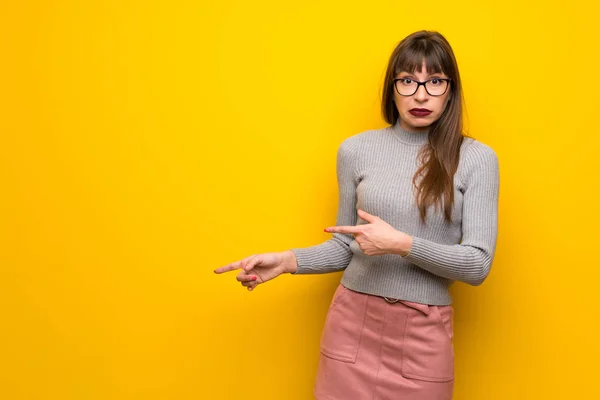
{"x": 229, "y": 267}
{"x": 343, "y": 229}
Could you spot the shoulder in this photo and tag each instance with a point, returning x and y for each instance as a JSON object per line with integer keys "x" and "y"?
{"x": 474, "y": 152}
{"x": 363, "y": 140}
{"x": 477, "y": 158}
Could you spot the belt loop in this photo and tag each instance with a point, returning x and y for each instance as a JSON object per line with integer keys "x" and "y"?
{"x": 424, "y": 308}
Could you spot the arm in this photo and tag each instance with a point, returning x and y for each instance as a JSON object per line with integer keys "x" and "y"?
{"x": 335, "y": 254}
{"x": 471, "y": 260}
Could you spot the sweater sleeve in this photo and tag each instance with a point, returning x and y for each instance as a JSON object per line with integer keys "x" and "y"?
{"x": 335, "y": 254}
{"x": 471, "y": 260}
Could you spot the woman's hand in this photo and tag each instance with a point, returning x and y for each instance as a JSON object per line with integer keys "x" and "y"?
{"x": 260, "y": 268}
{"x": 376, "y": 238}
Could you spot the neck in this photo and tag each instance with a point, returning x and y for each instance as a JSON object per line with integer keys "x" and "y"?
{"x": 410, "y": 136}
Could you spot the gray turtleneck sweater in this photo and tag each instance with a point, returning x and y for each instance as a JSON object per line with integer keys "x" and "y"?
{"x": 374, "y": 171}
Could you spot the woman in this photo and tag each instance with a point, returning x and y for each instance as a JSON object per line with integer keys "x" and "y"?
{"x": 418, "y": 210}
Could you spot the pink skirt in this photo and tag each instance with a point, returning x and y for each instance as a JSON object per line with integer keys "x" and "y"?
{"x": 372, "y": 348}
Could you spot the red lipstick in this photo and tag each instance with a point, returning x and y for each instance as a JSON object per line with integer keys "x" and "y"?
{"x": 419, "y": 112}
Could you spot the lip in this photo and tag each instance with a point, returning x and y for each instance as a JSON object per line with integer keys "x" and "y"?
{"x": 420, "y": 112}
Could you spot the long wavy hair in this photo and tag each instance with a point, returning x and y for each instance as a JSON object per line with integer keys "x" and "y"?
{"x": 438, "y": 159}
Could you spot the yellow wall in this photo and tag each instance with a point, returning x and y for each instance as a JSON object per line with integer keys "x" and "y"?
{"x": 145, "y": 143}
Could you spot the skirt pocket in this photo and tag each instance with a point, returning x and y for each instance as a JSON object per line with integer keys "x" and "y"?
{"x": 428, "y": 350}
{"x": 344, "y": 324}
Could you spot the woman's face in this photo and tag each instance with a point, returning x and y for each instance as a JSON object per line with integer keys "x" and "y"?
{"x": 413, "y": 121}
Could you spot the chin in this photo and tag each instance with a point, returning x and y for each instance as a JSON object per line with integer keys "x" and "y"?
{"x": 420, "y": 122}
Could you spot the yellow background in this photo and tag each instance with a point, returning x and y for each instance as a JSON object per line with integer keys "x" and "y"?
{"x": 144, "y": 143}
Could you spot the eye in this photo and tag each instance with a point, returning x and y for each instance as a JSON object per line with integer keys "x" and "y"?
{"x": 436, "y": 81}
{"x": 406, "y": 81}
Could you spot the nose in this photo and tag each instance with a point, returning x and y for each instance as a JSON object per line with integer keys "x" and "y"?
{"x": 421, "y": 94}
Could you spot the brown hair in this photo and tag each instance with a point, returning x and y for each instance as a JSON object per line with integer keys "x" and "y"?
{"x": 439, "y": 158}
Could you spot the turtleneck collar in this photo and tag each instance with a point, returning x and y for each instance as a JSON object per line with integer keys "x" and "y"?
{"x": 408, "y": 137}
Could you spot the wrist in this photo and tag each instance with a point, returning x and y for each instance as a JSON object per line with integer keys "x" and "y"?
{"x": 403, "y": 244}
{"x": 290, "y": 263}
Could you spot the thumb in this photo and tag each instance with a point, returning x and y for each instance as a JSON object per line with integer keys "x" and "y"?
{"x": 366, "y": 216}
{"x": 252, "y": 262}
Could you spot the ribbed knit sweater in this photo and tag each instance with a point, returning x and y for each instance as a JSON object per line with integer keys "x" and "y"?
{"x": 374, "y": 173}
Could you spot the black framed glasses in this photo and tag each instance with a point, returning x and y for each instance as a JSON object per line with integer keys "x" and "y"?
{"x": 433, "y": 86}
